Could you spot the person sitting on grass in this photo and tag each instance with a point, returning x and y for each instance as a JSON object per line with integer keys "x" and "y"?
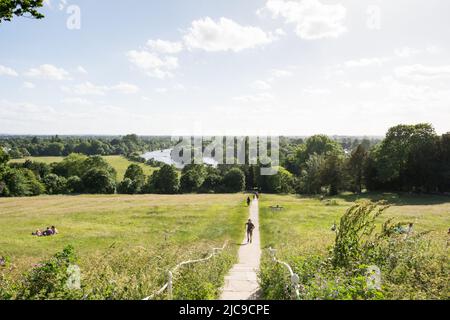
{"x": 38, "y": 233}
{"x": 250, "y": 226}
{"x": 48, "y": 232}
{"x": 55, "y": 231}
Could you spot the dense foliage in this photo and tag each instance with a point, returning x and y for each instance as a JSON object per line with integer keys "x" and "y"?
{"x": 129, "y": 145}
{"x": 28, "y": 8}
{"x": 364, "y": 264}
{"x": 411, "y": 158}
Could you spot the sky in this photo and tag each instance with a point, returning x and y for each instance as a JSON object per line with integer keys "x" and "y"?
{"x": 226, "y": 67}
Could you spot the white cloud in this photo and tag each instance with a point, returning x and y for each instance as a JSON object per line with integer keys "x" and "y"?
{"x": 279, "y": 73}
{"x": 88, "y": 88}
{"x": 161, "y": 90}
{"x": 7, "y": 71}
{"x": 316, "y": 91}
{"x": 366, "y": 62}
{"x": 280, "y": 32}
{"x": 260, "y": 85}
{"x": 163, "y": 46}
{"x": 367, "y": 85}
{"x": 224, "y": 35}
{"x": 29, "y": 85}
{"x": 81, "y": 70}
{"x": 152, "y": 64}
{"x": 420, "y": 72}
{"x": 261, "y": 97}
{"x": 48, "y": 71}
{"x": 434, "y": 50}
{"x": 125, "y": 88}
{"x": 406, "y": 52}
{"x": 312, "y": 19}
{"x": 77, "y": 101}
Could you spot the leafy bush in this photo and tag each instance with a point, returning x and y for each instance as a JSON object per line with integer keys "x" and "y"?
{"x": 21, "y": 183}
{"x": 411, "y": 266}
{"x": 127, "y": 186}
{"x": 55, "y": 184}
{"x": 234, "y": 180}
{"x": 74, "y": 185}
{"x": 98, "y": 181}
{"x": 48, "y": 280}
{"x": 164, "y": 181}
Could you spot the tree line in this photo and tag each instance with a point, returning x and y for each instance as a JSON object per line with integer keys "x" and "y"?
{"x": 411, "y": 158}
{"x": 130, "y": 145}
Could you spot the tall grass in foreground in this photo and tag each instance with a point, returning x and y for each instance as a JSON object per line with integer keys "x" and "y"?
{"x": 118, "y": 275}
{"x": 124, "y": 245}
{"x": 412, "y": 266}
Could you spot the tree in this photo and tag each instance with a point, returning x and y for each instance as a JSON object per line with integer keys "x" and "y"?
{"x": 136, "y": 175}
{"x": 72, "y": 165}
{"x": 310, "y": 178}
{"x": 355, "y": 167}
{"x": 281, "y": 182}
{"x": 192, "y": 178}
{"x": 54, "y": 149}
{"x": 164, "y": 181}
{"x": 319, "y": 145}
{"x": 21, "y": 183}
{"x": 98, "y": 162}
{"x": 11, "y": 8}
{"x": 98, "y": 181}
{"x": 74, "y": 185}
{"x": 127, "y": 186}
{"x": 4, "y": 159}
{"x": 444, "y": 158}
{"x": 40, "y": 169}
{"x": 234, "y": 180}
{"x": 406, "y": 159}
{"x": 331, "y": 174}
{"x": 212, "y": 183}
{"x": 55, "y": 184}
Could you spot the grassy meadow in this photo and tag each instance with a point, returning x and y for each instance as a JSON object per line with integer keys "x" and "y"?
{"x": 301, "y": 233}
{"x": 132, "y": 240}
{"x": 305, "y": 223}
{"x": 119, "y": 163}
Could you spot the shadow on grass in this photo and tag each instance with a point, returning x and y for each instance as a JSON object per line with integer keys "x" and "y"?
{"x": 398, "y": 199}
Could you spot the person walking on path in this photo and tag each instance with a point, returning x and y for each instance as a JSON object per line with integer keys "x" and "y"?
{"x": 250, "y": 226}
{"x": 248, "y": 201}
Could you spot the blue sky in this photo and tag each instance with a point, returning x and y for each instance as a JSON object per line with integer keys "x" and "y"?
{"x": 289, "y": 67}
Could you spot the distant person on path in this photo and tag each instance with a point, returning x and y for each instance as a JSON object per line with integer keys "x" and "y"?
{"x": 248, "y": 201}
{"x": 250, "y": 226}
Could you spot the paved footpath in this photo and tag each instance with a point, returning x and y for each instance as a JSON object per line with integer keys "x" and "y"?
{"x": 241, "y": 283}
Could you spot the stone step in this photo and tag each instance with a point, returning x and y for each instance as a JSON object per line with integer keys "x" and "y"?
{"x": 233, "y": 295}
{"x": 241, "y": 275}
{"x": 245, "y": 267}
{"x": 241, "y": 285}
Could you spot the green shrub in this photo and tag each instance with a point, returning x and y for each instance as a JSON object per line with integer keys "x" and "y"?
{"x": 412, "y": 266}
{"x": 49, "y": 279}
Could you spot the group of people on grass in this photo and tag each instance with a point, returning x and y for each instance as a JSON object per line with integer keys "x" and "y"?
{"x": 46, "y": 233}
